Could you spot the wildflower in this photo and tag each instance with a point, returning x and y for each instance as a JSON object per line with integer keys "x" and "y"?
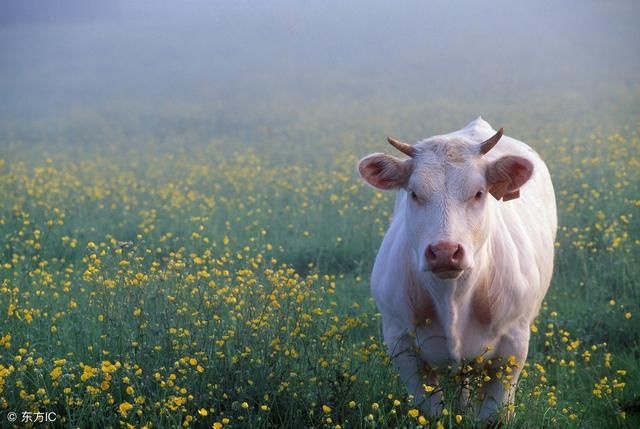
{"x": 88, "y": 372}
{"x": 55, "y": 373}
{"x": 124, "y": 408}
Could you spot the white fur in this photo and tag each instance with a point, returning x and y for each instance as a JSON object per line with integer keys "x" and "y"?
{"x": 512, "y": 242}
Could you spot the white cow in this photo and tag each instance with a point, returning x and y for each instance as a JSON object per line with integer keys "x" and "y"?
{"x": 467, "y": 259}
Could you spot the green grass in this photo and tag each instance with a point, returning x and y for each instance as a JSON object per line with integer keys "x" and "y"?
{"x": 218, "y": 272}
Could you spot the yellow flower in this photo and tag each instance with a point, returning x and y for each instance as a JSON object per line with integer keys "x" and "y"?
{"x": 124, "y": 408}
{"x": 88, "y": 372}
{"x": 245, "y": 405}
{"x": 216, "y": 425}
{"x": 326, "y": 409}
{"x": 56, "y": 373}
{"x": 202, "y": 412}
{"x": 414, "y": 413}
{"x": 458, "y": 418}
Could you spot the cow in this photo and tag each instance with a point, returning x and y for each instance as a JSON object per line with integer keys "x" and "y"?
{"x": 466, "y": 261}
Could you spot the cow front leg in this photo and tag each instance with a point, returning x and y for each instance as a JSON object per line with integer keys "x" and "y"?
{"x": 511, "y": 354}
{"x": 415, "y": 373}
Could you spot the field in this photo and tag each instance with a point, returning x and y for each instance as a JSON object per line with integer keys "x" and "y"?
{"x": 208, "y": 265}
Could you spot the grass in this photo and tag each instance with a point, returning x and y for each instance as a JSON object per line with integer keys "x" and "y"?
{"x": 154, "y": 274}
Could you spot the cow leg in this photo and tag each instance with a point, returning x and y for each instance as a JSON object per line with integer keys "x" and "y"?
{"x": 500, "y": 392}
{"x": 414, "y": 372}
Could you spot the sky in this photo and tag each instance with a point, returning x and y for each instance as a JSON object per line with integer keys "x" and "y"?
{"x": 61, "y": 55}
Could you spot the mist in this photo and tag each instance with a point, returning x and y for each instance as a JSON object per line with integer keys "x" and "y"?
{"x": 186, "y": 238}
{"x": 60, "y": 57}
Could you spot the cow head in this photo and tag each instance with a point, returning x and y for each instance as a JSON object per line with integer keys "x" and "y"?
{"x": 447, "y": 182}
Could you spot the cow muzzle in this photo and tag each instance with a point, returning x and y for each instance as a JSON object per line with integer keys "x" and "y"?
{"x": 444, "y": 259}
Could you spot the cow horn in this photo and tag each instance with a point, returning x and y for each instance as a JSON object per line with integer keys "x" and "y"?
{"x": 405, "y": 148}
{"x": 488, "y": 144}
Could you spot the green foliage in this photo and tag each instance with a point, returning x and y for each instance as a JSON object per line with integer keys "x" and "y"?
{"x": 191, "y": 268}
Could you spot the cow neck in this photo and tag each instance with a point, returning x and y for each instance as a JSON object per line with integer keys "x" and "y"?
{"x": 452, "y": 302}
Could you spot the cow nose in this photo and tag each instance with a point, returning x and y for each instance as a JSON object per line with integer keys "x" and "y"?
{"x": 444, "y": 256}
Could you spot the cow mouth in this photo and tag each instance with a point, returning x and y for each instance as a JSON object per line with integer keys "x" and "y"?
{"x": 447, "y": 273}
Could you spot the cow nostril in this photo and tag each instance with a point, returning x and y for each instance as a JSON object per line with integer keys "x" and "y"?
{"x": 431, "y": 256}
{"x": 458, "y": 254}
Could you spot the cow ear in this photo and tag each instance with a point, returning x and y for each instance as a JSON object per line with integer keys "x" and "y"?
{"x": 384, "y": 171}
{"x": 506, "y": 175}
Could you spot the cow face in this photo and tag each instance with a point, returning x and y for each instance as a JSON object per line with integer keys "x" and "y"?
{"x": 447, "y": 207}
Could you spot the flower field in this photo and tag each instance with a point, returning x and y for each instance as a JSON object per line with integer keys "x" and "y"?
{"x": 205, "y": 267}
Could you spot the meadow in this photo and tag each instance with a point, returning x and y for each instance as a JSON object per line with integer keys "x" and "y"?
{"x": 207, "y": 265}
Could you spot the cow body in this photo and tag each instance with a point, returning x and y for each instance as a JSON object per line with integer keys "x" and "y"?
{"x": 498, "y": 258}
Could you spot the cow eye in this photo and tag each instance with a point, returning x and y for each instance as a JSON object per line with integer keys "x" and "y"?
{"x": 414, "y": 197}
{"x": 479, "y": 195}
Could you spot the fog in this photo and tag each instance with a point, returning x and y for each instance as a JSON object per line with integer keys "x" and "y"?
{"x": 59, "y": 56}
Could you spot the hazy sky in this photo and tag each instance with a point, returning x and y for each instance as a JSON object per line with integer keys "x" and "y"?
{"x": 58, "y": 55}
